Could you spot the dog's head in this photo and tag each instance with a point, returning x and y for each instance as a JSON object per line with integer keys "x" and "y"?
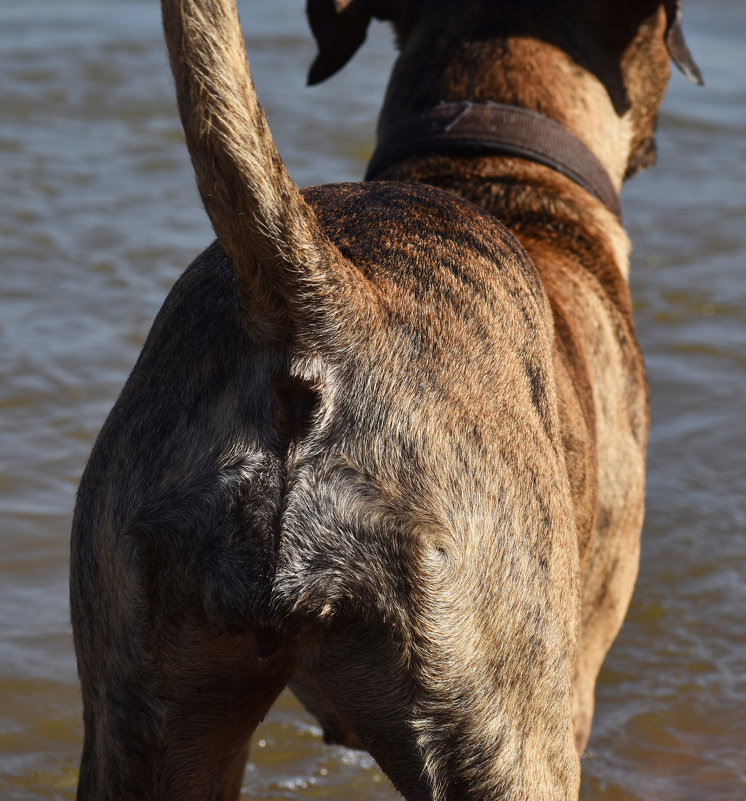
{"x": 557, "y": 58}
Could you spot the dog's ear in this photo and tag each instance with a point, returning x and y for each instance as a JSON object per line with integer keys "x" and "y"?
{"x": 340, "y": 27}
{"x": 676, "y": 45}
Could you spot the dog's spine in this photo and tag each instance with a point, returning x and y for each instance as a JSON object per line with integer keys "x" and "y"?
{"x": 258, "y": 213}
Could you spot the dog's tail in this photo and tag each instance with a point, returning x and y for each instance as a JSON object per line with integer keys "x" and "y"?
{"x": 270, "y": 234}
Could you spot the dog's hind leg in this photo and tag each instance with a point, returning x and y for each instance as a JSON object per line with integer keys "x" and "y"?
{"x": 219, "y": 690}
{"x": 230, "y": 789}
{"x": 171, "y": 718}
{"x": 451, "y": 666}
{"x": 168, "y": 618}
{"x": 434, "y": 728}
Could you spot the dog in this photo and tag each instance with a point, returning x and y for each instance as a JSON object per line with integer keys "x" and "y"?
{"x": 385, "y": 441}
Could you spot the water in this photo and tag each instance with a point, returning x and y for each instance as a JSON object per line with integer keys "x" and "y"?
{"x": 99, "y": 215}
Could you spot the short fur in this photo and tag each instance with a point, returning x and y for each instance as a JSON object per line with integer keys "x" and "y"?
{"x": 385, "y": 441}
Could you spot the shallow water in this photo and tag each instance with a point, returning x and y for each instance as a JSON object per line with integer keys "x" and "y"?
{"x": 99, "y": 215}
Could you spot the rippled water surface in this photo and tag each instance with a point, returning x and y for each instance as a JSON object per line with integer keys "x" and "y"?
{"x": 98, "y": 216}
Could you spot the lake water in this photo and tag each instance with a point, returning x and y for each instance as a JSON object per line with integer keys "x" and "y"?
{"x": 99, "y": 215}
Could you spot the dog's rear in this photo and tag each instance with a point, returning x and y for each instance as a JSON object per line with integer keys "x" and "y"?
{"x": 338, "y": 462}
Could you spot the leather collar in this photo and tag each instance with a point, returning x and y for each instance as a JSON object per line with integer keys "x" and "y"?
{"x": 495, "y": 128}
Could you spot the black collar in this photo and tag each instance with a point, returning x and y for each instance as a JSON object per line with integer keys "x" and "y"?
{"x": 496, "y": 128}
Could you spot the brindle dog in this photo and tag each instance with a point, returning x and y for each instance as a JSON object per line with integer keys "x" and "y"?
{"x": 385, "y": 441}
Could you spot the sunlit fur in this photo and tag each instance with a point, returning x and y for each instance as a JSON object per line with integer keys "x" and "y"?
{"x": 385, "y": 442}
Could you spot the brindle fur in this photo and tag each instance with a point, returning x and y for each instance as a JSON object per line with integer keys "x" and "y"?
{"x": 379, "y": 444}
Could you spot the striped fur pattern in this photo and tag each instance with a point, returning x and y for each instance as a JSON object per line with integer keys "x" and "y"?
{"x": 385, "y": 441}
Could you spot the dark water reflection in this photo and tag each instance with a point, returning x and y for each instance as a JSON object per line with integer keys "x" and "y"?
{"x": 98, "y": 217}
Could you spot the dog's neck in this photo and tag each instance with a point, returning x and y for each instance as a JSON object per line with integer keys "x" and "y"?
{"x": 522, "y": 72}
{"x": 498, "y": 129}
{"x": 533, "y": 75}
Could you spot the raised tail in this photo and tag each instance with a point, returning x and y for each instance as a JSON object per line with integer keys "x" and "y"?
{"x": 270, "y": 234}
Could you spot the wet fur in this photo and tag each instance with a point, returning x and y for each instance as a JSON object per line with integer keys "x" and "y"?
{"x": 378, "y": 444}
